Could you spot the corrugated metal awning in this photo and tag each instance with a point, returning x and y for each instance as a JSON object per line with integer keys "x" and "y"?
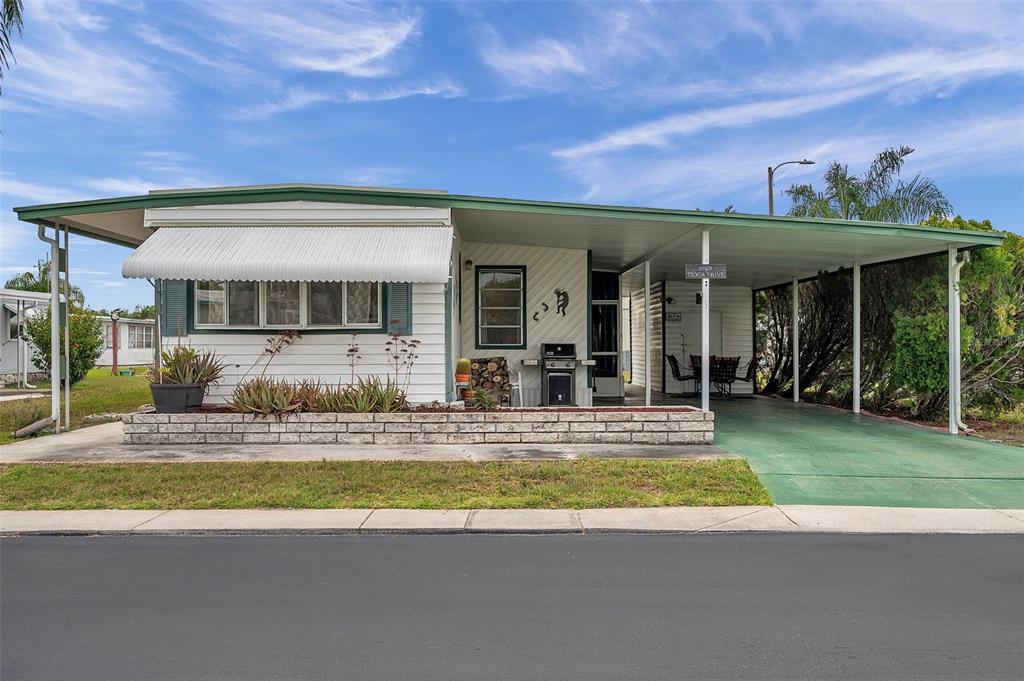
{"x": 388, "y": 253}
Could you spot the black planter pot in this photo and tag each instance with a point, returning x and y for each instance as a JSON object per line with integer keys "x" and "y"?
{"x": 177, "y": 398}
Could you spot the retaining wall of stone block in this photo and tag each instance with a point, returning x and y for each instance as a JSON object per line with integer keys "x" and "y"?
{"x": 596, "y": 425}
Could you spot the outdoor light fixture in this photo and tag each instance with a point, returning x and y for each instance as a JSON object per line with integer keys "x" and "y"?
{"x": 771, "y": 177}
{"x": 469, "y": 265}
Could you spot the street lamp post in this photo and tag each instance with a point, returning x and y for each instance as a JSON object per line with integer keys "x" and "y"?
{"x": 771, "y": 178}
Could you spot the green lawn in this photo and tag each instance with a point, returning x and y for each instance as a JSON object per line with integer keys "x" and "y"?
{"x": 97, "y": 393}
{"x": 583, "y": 483}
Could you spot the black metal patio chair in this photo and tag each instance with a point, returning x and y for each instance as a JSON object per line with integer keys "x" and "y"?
{"x": 678, "y": 375}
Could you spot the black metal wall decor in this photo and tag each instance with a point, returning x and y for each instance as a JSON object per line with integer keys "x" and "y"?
{"x": 562, "y": 301}
{"x": 561, "y": 305}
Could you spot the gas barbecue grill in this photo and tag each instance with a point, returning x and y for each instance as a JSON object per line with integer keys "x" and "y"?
{"x": 558, "y": 374}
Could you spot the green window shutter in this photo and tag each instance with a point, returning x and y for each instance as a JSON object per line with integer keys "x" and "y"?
{"x": 400, "y": 309}
{"x": 173, "y": 320}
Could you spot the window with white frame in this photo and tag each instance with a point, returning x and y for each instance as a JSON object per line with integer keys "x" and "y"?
{"x": 501, "y": 307}
{"x": 109, "y": 334}
{"x": 282, "y": 304}
{"x": 140, "y": 336}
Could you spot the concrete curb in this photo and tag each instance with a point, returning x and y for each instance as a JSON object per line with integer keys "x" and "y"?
{"x": 674, "y": 520}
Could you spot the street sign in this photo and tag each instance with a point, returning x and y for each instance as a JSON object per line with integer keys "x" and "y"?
{"x": 705, "y": 271}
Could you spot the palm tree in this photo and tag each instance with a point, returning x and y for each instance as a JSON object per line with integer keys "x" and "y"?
{"x": 10, "y": 21}
{"x": 879, "y": 194}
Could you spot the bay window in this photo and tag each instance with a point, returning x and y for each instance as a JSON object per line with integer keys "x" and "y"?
{"x": 287, "y": 304}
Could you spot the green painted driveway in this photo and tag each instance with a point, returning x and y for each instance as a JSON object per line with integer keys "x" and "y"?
{"x": 809, "y": 454}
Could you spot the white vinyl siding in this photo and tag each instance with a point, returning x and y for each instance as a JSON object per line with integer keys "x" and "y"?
{"x": 322, "y": 356}
{"x": 638, "y": 349}
{"x": 547, "y": 269}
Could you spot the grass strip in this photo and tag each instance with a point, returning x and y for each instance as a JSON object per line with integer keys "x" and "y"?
{"x": 582, "y": 483}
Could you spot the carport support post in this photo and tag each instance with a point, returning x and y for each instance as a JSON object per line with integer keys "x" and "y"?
{"x": 55, "y": 328}
{"x": 67, "y": 329}
{"x": 954, "y": 342}
{"x": 647, "y": 332}
{"x": 856, "y": 338}
{"x": 705, "y": 323}
{"x": 796, "y": 339}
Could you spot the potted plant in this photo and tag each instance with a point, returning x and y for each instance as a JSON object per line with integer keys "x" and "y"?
{"x": 468, "y": 394}
{"x": 184, "y": 377}
{"x": 462, "y": 370}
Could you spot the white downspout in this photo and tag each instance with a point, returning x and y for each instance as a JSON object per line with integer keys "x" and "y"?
{"x": 54, "y": 325}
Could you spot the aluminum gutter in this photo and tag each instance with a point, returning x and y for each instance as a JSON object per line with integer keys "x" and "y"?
{"x": 258, "y": 194}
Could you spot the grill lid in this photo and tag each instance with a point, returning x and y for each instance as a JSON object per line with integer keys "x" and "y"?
{"x": 558, "y": 350}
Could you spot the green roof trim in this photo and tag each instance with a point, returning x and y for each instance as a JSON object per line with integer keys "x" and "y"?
{"x": 435, "y": 199}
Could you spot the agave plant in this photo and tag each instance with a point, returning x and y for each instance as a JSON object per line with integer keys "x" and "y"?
{"x": 308, "y": 394}
{"x": 389, "y": 396}
{"x": 187, "y": 366}
{"x": 266, "y": 396}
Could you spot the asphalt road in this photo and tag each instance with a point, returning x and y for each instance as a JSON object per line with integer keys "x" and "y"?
{"x": 512, "y": 607}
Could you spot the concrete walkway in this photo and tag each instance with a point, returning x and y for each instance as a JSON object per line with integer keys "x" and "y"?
{"x": 834, "y": 519}
{"x": 102, "y": 444}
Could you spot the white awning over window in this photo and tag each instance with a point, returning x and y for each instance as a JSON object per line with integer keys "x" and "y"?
{"x": 387, "y": 253}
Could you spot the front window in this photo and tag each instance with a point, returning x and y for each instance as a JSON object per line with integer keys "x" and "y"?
{"x": 287, "y": 304}
{"x": 501, "y": 305}
{"x": 283, "y": 300}
{"x": 362, "y": 304}
{"x": 211, "y": 298}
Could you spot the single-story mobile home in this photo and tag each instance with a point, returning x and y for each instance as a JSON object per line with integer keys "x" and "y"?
{"x": 566, "y": 294}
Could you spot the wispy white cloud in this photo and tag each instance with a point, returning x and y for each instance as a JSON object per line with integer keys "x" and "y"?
{"x": 444, "y": 89}
{"x": 34, "y": 192}
{"x": 355, "y": 40}
{"x": 727, "y": 171}
{"x": 299, "y": 97}
{"x": 119, "y": 186}
{"x": 294, "y": 99}
{"x": 539, "y": 63}
{"x": 901, "y": 77}
{"x": 78, "y": 65}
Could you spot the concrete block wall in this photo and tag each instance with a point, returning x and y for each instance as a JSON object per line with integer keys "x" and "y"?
{"x": 595, "y": 425}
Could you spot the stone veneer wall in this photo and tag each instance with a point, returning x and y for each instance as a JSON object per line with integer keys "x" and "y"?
{"x": 596, "y": 425}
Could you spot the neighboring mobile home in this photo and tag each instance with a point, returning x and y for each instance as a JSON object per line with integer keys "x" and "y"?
{"x": 469, "y": 276}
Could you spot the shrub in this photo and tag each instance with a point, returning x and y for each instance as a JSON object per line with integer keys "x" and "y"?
{"x": 265, "y": 396}
{"x": 86, "y": 341}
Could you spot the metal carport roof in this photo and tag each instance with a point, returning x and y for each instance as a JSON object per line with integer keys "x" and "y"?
{"x": 760, "y": 250}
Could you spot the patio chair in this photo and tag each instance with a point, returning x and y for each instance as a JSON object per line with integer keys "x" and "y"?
{"x": 723, "y": 374}
{"x": 678, "y": 375}
{"x": 750, "y": 373}
{"x": 492, "y": 374}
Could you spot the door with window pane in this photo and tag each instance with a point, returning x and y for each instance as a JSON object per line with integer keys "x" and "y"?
{"x": 604, "y": 333}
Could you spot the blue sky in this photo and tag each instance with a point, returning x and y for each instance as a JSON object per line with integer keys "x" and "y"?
{"x": 659, "y": 104}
